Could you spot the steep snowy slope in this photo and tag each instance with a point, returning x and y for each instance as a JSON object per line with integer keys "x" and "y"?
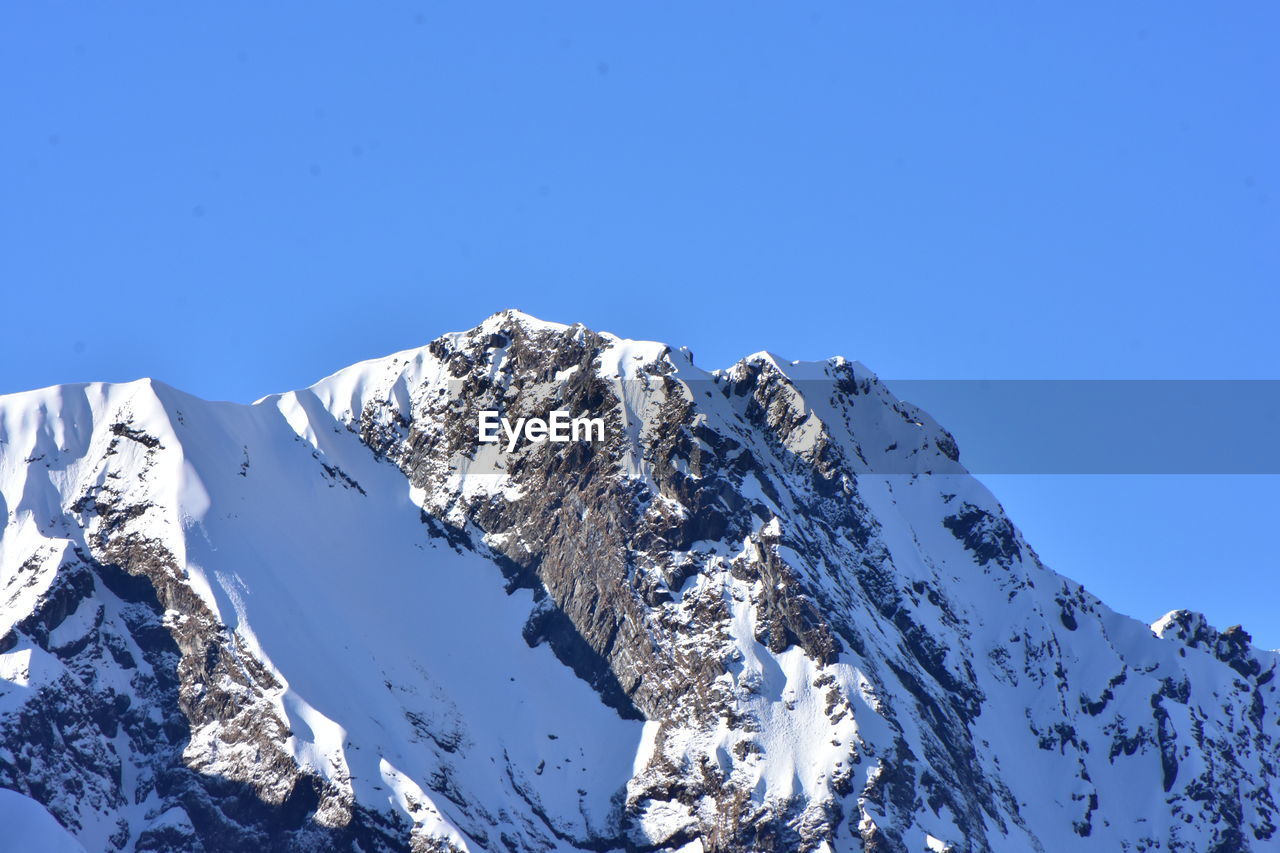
{"x": 28, "y": 826}
{"x": 769, "y": 611}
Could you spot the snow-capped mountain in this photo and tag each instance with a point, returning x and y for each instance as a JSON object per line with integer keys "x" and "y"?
{"x": 768, "y": 611}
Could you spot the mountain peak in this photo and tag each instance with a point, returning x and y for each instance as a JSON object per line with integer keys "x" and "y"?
{"x": 508, "y": 316}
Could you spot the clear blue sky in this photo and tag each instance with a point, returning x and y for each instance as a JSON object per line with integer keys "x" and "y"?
{"x": 239, "y": 198}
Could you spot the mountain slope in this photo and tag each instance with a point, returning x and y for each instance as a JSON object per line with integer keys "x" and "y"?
{"x": 770, "y": 610}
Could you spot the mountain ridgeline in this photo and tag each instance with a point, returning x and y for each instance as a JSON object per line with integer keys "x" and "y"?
{"x": 765, "y": 609}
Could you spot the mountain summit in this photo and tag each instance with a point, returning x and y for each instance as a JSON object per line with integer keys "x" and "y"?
{"x": 765, "y": 609}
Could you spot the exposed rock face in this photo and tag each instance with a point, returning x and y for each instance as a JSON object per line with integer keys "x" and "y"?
{"x": 770, "y": 611}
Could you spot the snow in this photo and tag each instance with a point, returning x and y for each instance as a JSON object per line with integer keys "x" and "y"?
{"x": 76, "y": 626}
{"x": 645, "y": 749}
{"x": 27, "y": 826}
{"x": 937, "y": 845}
{"x": 15, "y": 667}
{"x": 175, "y": 817}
